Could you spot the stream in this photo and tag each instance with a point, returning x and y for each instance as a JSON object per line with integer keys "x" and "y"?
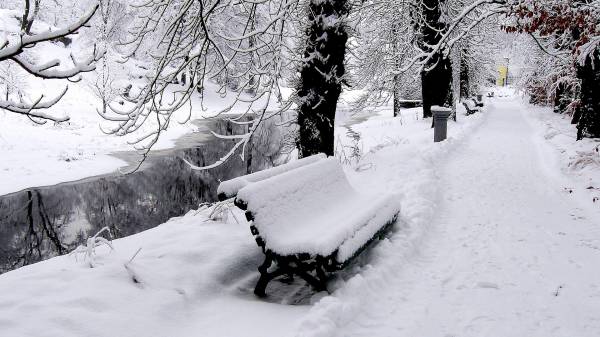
{"x": 39, "y": 223}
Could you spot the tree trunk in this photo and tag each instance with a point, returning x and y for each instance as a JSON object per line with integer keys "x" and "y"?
{"x": 27, "y": 21}
{"x": 437, "y": 84}
{"x": 464, "y": 75}
{"x": 397, "y": 95}
{"x": 589, "y": 109}
{"x": 397, "y": 64}
{"x": 436, "y": 77}
{"x": 576, "y": 116}
{"x": 252, "y": 86}
{"x": 25, "y": 18}
{"x": 560, "y": 99}
{"x": 249, "y": 149}
{"x": 321, "y": 76}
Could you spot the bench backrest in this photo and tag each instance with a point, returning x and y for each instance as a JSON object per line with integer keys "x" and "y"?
{"x": 470, "y": 106}
{"x": 230, "y": 188}
{"x": 282, "y": 204}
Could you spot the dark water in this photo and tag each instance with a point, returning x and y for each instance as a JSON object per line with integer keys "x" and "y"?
{"x": 40, "y": 223}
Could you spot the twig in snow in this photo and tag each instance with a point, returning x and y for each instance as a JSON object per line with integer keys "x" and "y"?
{"x": 134, "y": 255}
{"x": 89, "y": 249}
{"x": 130, "y": 270}
{"x": 557, "y": 292}
{"x": 219, "y": 210}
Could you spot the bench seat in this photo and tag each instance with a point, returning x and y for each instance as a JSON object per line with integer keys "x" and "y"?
{"x": 333, "y": 230}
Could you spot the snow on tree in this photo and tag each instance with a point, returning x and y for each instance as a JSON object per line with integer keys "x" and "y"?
{"x": 245, "y": 48}
{"x": 474, "y": 56}
{"x": 18, "y": 40}
{"x": 441, "y": 26}
{"x": 321, "y": 75}
{"x": 384, "y": 40}
{"x": 108, "y": 28}
{"x": 568, "y": 31}
{"x": 240, "y": 45}
{"x": 436, "y": 75}
{"x": 13, "y": 81}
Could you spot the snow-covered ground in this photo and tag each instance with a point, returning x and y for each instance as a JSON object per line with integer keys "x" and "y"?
{"x": 196, "y": 276}
{"x": 577, "y": 159}
{"x": 489, "y": 243}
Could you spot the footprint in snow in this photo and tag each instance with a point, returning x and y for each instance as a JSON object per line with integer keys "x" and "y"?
{"x": 487, "y": 285}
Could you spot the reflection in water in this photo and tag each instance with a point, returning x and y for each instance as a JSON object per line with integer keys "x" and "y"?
{"x": 40, "y": 223}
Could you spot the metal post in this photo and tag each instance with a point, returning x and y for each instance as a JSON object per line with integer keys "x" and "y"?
{"x": 440, "y": 122}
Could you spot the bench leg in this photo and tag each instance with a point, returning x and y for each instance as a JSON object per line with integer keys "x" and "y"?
{"x": 266, "y": 276}
{"x": 283, "y": 268}
{"x": 302, "y": 270}
{"x": 321, "y": 276}
{"x": 264, "y": 280}
{"x": 317, "y": 284}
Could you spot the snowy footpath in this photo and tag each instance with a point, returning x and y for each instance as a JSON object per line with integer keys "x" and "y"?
{"x": 509, "y": 252}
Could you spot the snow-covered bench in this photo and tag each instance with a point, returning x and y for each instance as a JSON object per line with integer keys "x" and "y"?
{"x": 308, "y": 220}
{"x": 470, "y": 106}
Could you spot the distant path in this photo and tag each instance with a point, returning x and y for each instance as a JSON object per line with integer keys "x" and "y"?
{"x": 509, "y": 253}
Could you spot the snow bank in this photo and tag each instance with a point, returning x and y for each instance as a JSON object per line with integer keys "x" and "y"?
{"x": 577, "y": 162}
{"x": 313, "y": 209}
{"x": 192, "y": 277}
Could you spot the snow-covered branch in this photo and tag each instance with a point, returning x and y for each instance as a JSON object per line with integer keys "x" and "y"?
{"x": 15, "y": 50}
{"x": 240, "y": 45}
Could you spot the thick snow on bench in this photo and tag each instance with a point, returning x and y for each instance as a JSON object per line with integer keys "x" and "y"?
{"x": 471, "y": 104}
{"x": 231, "y": 187}
{"x": 313, "y": 209}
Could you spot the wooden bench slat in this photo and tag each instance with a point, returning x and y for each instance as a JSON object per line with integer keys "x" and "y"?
{"x": 229, "y": 189}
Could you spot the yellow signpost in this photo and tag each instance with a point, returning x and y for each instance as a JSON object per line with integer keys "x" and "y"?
{"x": 502, "y": 75}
